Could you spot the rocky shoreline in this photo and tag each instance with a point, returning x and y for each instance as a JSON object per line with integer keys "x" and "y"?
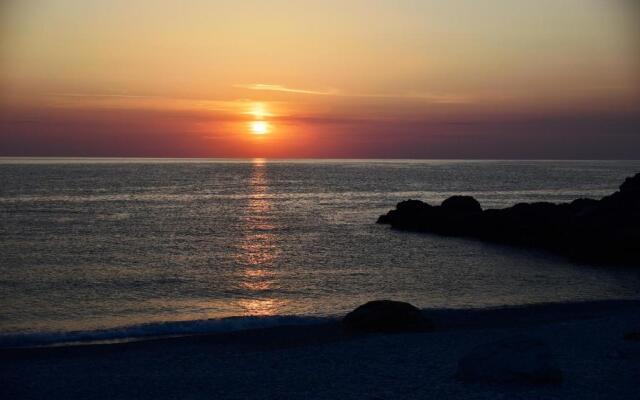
{"x": 605, "y": 230}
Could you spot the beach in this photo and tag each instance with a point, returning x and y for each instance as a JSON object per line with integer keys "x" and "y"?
{"x": 331, "y": 200}
{"x": 322, "y": 362}
{"x": 136, "y": 280}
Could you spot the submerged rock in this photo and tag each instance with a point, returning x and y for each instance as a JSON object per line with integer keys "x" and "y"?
{"x": 591, "y": 230}
{"x": 386, "y": 316}
{"x": 517, "y": 360}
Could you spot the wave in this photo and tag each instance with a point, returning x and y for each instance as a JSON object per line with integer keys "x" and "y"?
{"x": 444, "y": 318}
{"x": 154, "y": 330}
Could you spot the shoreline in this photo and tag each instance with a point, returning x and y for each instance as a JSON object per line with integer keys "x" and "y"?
{"x": 446, "y": 319}
{"x": 321, "y": 361}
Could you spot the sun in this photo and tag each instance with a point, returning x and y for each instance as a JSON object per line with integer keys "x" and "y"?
{"x": 259, "y": 127}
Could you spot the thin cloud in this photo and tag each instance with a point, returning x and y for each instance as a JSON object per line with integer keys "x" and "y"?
{"x": 102, "y": 95}
{"x": 429, "y": 97}
{"x": 280, "y": 88}
{"x": 141, "y": 101}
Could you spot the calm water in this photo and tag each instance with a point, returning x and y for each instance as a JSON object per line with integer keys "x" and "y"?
{"x": 101, "y": 244}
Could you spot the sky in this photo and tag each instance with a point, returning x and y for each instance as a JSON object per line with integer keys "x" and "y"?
{"x": 498, "y": 79}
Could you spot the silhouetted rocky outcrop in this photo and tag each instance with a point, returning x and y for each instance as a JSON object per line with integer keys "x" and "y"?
{"x": 594, "y": 230}
{"x": 386, "y": 316}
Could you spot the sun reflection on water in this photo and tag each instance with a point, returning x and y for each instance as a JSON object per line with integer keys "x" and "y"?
{"x": 261, "y": 307}
{"x": 259, "y": 249}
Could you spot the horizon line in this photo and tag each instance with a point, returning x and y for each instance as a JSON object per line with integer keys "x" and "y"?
{"x": 4, "y": 158}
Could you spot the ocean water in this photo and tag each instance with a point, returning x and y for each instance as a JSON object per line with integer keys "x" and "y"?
{"x": 113, "y": 248}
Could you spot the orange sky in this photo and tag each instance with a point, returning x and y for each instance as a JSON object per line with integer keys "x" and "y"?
{"x": 402, "y": 78}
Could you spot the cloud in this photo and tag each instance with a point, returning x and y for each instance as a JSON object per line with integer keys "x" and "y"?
{"x": 428, "y": 97}
{"x": 280, "y": 88}
{"x": 141, "y": 101}
{"x": 102, "y": 95}
{"x": 438, "y": 98}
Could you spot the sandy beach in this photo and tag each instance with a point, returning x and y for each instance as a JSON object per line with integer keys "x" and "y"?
{"x": 322, "y": 362}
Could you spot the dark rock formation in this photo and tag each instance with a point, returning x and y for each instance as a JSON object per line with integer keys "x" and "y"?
{"x": 386, "y": 316}
{"x": 518, "y": 360}
{"x": 461, "y": 205}
{"x": 593, "y": 230}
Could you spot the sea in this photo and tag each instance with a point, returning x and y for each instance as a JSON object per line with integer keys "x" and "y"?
{"x": 120, "y": 249}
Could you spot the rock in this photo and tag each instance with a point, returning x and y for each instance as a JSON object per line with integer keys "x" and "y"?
{"x": 411, "y": 206}
{"x": 602, "y": 231}
{"x": 461, "y": 205}
{"x": 410, "y": 214}
{"x": 631, "y": 186}
{"x": 627, "y": 199}
{"x": 386, "y": 316}
{"x": 517, "y": 360}
{"x": 582, "y": 207}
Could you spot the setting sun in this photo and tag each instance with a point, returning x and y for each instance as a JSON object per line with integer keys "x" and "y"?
{"x": 259, "y": 127}
{"x": 304, "y": 190}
